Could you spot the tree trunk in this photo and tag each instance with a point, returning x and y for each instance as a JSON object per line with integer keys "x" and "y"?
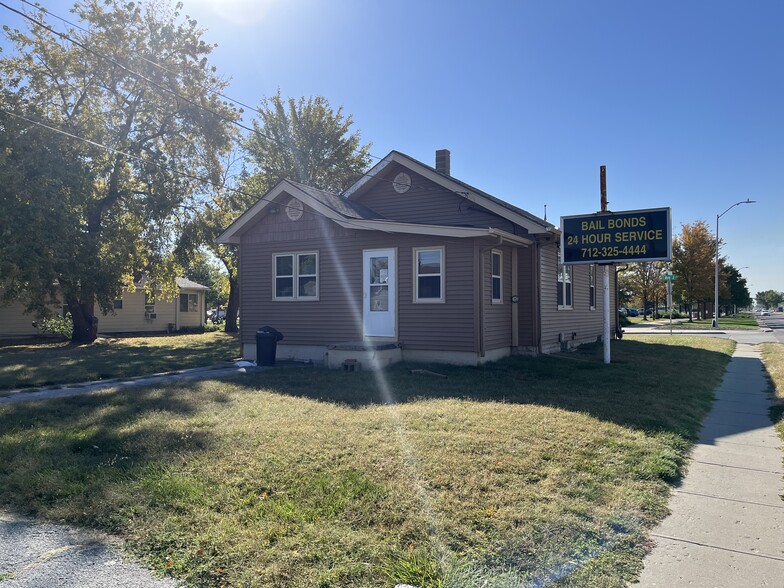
{"x": 233, "y": 306}
{"x": 85, "y": 323}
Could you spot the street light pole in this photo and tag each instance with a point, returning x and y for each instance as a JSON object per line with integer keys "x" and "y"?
{"x": 716, "y": 278}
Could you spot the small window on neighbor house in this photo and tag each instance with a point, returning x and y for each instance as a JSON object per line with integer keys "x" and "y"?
{"x": 564, "y": 294}
{"x": 496, "y": 277}
{"x": 296, "y": 276}
{"x": 189, "y": 303}
{"x": 118, "y": 304}
{"x": 429, "y": 275}
{"x": 592, "y": 286}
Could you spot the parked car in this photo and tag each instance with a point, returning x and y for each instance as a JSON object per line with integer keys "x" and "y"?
{"x": 633, "y": 312}
{"x": 216, "y": 316}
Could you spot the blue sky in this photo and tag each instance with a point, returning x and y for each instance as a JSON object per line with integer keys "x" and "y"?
{"x": 682, "y": 101}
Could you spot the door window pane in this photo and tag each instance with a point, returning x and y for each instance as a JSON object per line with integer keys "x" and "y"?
{"x": 379, "y": 298}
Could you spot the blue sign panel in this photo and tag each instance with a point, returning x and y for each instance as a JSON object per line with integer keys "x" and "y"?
{"x": 612, "y": 237}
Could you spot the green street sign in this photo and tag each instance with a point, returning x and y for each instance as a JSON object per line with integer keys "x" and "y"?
{"x": 669, "y": 277}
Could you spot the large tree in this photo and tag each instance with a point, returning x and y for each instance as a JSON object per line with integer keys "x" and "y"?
{"x": 734, "y": 292}
{"x": 304, "y": 140}
{"x": 135, "y": 82}
{"x": 693, "y": 263}
{"x": 769, "y": 298}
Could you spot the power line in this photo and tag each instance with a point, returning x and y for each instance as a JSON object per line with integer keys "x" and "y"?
{"x": 175, "y": 171}
{"x": 180, "y": 96}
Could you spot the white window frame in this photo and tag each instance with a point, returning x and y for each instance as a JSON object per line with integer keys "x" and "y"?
{"x": 565, "y": 276}
{"x": 498, "y": 276}
{"x": 591, "y": 286}
{"x": 442, "y": 275}
{"x": 296, "y": 295}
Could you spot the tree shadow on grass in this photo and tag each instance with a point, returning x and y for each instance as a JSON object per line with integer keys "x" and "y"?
{"x": 77, "y": 449}
{"x": 647, "y": 386}
{"x": 28, "y": 366}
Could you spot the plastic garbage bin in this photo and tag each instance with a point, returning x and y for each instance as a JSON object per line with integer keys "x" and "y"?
{"x": 267, "y": 345}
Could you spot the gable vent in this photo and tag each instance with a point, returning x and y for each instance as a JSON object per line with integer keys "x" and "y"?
{"x": 443, "y": 161}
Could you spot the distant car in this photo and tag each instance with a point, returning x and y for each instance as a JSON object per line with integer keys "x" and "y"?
{"x": 764, "y": 313}
{"x": 633, "y": 312}
{"x": 216, "y": 316}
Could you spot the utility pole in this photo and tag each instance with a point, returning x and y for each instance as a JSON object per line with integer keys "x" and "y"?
{"x": 606, "y": 272}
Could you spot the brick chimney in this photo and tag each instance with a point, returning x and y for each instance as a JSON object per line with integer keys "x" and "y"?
{"x": 443, "y": 161}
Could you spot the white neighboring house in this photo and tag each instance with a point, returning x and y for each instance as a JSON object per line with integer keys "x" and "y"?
{"x": 134, "y": 312}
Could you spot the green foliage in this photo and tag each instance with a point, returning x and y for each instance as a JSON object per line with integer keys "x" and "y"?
{"x": 769, "y": 298}
{"x": 304, "y": 140}
{"x": 693, "y": 262}
{"x": 57, "y": 325}
{"x": 204, "y": 270}
{"x": 97, "y": 217}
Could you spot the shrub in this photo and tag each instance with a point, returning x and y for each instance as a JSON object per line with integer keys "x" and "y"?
{"x": 57, "y": 325}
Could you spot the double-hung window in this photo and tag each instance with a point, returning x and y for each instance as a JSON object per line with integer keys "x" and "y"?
{"x": 592, "y": 286}
{"x": 296, "y": 276}
{"x": 495, "y": 278}
{"x": 564, "y": 294}
{"x": 189, "y": 303}
{"x": 429, "y": 275}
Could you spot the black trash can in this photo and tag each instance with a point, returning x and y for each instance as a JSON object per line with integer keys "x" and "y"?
{"x": 267, "y": 345}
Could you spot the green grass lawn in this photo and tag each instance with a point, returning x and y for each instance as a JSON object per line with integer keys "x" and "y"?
{"x": 40, "y": 364}
{"x": 746, "y": 321}
{"x": 529, "y": 471}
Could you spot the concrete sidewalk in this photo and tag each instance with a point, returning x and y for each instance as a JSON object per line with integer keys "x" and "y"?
{"x": 727, "y": 523}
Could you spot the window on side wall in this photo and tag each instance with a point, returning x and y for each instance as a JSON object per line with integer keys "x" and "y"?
{"x": 118, "y": 303}
{"x": 149, "y": 302}
{"x": 592, "y": 286}
{"x": 189, "y": 303}
{"x": 495, "y": 278}
{"x": 429, "y": 275}
{"x": 564, "y": 294}
{"x": 295, "y": 276}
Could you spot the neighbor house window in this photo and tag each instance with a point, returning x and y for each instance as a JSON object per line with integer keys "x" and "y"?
{"x": 189, "y": 303}
{"x": 118, "y": 304}
{"x": 429, "y": 275}
{"x": 564, "y": 286}
{"x": 149, "y": 302}
{"x": 495, "y": 280}
{"x": 592, "y": 286}
{"x": 296, "y": 276}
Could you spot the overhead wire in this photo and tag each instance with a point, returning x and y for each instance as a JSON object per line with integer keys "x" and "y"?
{"x": 173, "y": 170}
{"x": 172, "y": 92}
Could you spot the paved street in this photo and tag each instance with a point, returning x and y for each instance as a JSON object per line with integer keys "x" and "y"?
{"x": 775, "y": 322}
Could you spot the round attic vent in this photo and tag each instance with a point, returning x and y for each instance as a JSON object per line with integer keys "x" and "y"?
{"x": 294, "y": 209}
{"x": 402, "y": 183}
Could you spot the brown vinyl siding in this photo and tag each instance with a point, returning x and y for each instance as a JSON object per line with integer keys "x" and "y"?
{"x": 337, "y": 315}
{"x": 498, "y": 316}
{"x": 428, "y": 203}
{"x": 586, "y": 323}
{"x": 526, "y": 290}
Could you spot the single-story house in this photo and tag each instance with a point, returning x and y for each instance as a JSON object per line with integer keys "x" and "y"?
{"x": 134, "y": 312}
{"x": 409, "y": 263}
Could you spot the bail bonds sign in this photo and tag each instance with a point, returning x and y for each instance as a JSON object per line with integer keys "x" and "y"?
{"x": 610, "y": 237}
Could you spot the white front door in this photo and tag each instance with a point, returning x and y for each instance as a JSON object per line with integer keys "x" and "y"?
{"x": 378, "y": 293}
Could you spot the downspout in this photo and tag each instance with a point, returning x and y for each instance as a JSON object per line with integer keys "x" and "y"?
{"x": 537, "y": 296}
{"x": 515, "y": 296}
{"x": 481, "y": 282}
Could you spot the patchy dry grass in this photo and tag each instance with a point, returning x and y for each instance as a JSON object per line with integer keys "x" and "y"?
{"x": 40, "y": 364}
{"x": 773, "y": 357}
{"x": 522, "y": 472}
